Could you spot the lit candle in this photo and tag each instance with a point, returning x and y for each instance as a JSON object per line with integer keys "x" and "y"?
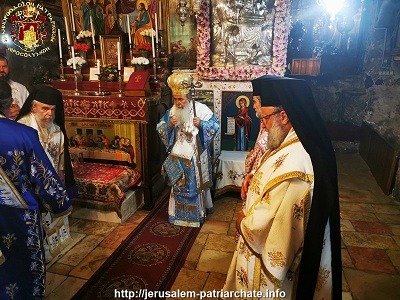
{"x": 72, "y": 17}
{"x": 119, "y": 56}
{"x": 153, "y": 50}
{"x": 92, "y": 29}
{"x": 73, "y": 58}
{"x": 129, "y": 29}
{"x": 67, "y": 31}
{"x": 59, "y": 42}
{"x": 98, "y": 66}
{"x": 155, "y": 17}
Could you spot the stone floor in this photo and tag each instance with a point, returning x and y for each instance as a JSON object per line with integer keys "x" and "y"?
{"x": 370, "y": 243}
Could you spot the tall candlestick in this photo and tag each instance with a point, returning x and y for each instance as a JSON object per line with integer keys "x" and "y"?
{"x": 59, "y": 43}
{"x": 72, "y": 17}
{"x": 73, "y": 58}
{"x": 129, "y": 29}
{"x": 155, "y": 17}
{"x": 92, "y": 29}
{"x": 98, "y": 66}
{"x": 119, "y": 56}
{"x": 153, "y": 50}
{"x": 67, "y": 31}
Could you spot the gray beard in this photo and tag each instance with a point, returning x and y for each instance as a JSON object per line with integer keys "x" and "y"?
{"x": 276, "y": 135}
{"x": 183, "y": 115}
{"x": 46, "y": 125}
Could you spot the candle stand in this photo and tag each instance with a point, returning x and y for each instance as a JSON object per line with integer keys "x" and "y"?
{"x": 62, "y": 76}
{"x": 76, "y": 82}
{"x": 120, "y": 93}
{"x": 99, "y": 92}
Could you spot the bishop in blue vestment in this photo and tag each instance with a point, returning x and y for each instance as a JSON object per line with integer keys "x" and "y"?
{"x": 28, "y": 185}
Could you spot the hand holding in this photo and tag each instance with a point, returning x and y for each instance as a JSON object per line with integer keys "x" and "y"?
{"x": 173, "y": 121}
{"x": 196, "y": 121}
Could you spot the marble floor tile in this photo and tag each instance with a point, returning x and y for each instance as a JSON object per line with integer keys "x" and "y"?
{"x": 224, "y": 209}
{"x": 76, "y": 238}
{"x": 67, "y": 289}
{"x": 93, "y": 227}
{"x": 371, "y": 227}
{"x": 397, "y": 240}
{"x": 81, "y": 250}
{"x": 394, "y": 256}
{"x": 118, "y": 235}
{"x": 217, "y": 227}
{"x": 138, "y": 216}
{"x": 387, "y": 209}
{"x": 366, "y": 240}
{"x": 197, "y": 248}
{"x": 372, "y": 286}
{"x": 53, "y": 281}
{"x": 215, "y": 282}
{"x": 395, "y": 229}
{"x": 348, "y": 206}
{"x": 361, "y": 216}
{"x": 388, "y": 218}
{"x": 86, "y": 268}
{"x": 220, "y": 243}
{"x": 346, "y": 259}
{"x": 61, "y": 269}
{"x": 345, "y": 286}
{"x": 346, "y": 225}
{"x": 189, "y": 280}
{"x": 369, "y": 259}
{"x": 215, "y": 261}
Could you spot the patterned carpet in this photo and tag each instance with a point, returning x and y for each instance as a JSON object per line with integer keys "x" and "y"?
{"x": 150, "y": 258}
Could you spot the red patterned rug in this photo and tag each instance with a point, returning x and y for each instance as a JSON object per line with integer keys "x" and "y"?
{"x": 149, "y": 259}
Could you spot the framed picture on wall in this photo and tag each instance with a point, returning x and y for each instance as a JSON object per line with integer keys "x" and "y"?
{"x": 242, "y": 45}
{"x": 182, "y": 40}
{"x": 109, "y": 50}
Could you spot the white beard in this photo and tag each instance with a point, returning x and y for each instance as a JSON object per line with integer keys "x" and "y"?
{"x": 46, "y": 125}
{"x": 183, "y": 115}
{"x": 276, "y": 135}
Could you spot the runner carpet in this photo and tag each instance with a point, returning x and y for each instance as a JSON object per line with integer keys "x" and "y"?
{"x": 149, "y": 259}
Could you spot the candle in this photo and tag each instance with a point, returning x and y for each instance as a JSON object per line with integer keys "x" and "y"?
{"x": 129, "y": 29}
{"x": 119, "y": 56}
{"x": 153, "y": 50}
{"x": 92, "y": 29}
{"x": 59, "y": 42}
{"x": 67, "y": 31}
{"x": 72, "y": 17}
{"x": 98, "y": 66}
{"x": 155, "y": 17}
{"x": 73, "y": 58}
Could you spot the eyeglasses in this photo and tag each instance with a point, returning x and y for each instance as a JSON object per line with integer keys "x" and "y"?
{"x": 266, "y": 117}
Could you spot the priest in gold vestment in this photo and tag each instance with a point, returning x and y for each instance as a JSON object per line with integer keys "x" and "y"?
{"x": 289, "y": 244}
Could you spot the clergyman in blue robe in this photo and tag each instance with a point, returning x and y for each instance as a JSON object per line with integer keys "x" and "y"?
{"x": 28, "y": 185}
